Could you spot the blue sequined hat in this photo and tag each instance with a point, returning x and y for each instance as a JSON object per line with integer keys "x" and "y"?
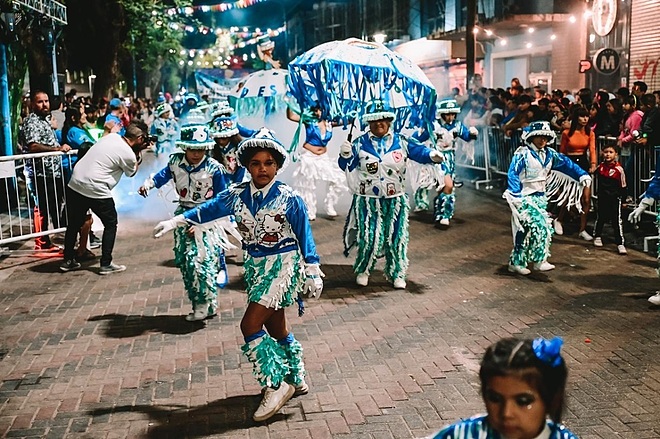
{"x": 538, "y": 128}
{"x": 222, "y": 109}
{"x": 195, "y": 136}
{"x": 264, "y": 139}
{"x": 378, "y": 110}
{"x": 447, "y": 106}
{"x": 163, "y": 108}
{"x": 223, "y": 126}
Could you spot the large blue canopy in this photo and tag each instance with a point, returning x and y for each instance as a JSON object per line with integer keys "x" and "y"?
{"x": 342, "y": 77}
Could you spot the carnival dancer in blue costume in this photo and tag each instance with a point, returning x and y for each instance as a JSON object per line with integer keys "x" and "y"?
{"x": 530, "y": 184}
{"x": 165, "y": 128}
{"x": 227, "y": 136}
{"x": 281, "y": 265}
{"x": 648, "y": 198}
{"x": 446, "y": 129}
{"x": 315, "y": 164}
{"x": 375, "y": 166}
{"x": 199, "y": 252}
{"x": 523, "y": 385}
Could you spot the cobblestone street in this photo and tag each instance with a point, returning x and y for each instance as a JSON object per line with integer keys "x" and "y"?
{"x": 89, "y": 356}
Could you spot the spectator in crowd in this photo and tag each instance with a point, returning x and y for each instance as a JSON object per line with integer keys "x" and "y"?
{"x": 579, "y": 144}
{"x": 520, "y": 120}
{"x": 496, "y": 107}
{"x": 585, "y": 97}
{"x": 93, "y": 179}
{"x": 557, "y": 94}
{"x": 377, "y": 221}
{"x": 650, "y": 134}
{"x": 57, "y": 114}
{"x": 114, "y": 121}
{"x": 622, "y": 93}
{"x": 523, "y": 384}
{"x": 632, "y": 122}
{"x": 611, "y": 189}
{"x": 477, "y": 114}
{"x": 656, "y": 93}
{"x": 544, "y": 112}
{"x": 46, "y": 175}
{"x": 615, "y": 111}
{"x": 639, "y": 89}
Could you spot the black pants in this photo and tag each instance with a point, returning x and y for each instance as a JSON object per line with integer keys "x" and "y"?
{"x": 50, "y": 200}
{"x": 77, "y": 207}
{"x": 609, "y": 209}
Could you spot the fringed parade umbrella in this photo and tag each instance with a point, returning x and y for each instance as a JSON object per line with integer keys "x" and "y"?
{"x": 260, "y": 94}
{"x": 342, "y": 77}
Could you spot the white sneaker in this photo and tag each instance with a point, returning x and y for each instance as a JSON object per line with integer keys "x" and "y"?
{"x": 444, "y": 222}
{"x": 543, "y": 266}
{"x": 518, "y": 269}
{"x": 598, "y": 242}
{"x": 301, "y": 389}
{"x": 330, "y": 210}
{"x": 586, "y": 236}
{"x": 655, "y": 299}
{"x": 200, "y": 313}
{"x": 273, "y": 401}
{"x": 622, "y": 249}
{"x": 399, "y": 283}
{"x": 559, "y": 230}
{"x": 362, "y": 279}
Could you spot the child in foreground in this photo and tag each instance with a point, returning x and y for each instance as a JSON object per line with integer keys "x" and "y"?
{"x": 522, "y": 385}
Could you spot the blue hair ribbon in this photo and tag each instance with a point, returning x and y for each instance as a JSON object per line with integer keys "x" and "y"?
{"x": 548, "y": 351}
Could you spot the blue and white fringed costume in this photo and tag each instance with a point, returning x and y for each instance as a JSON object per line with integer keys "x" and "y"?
{"x": 167, "y": 133}
{"x": 425, "y": 177}
{"x": 478, "y": 427}
{"x": 199, "y": 256}
{"x": 278, "y": 242}
{"x": 378, "y": 218}
{"x": 532, "y": 180}
{"x": 318, "y": 167}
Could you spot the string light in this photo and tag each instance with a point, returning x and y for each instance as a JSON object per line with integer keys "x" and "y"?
{"x": 222, "y": 7}
{"x": 503, "y": 41}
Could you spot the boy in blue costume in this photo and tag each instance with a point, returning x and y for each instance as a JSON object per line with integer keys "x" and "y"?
{"x": 199, "y": 253}
{"x": 530, "y": 184}
{"x": 377, "y": 221}
{"x": 165, "y": 128}
{"x": 228, "y": 134}
{"x": 446, "y": 129}
{"x": 281, "y": 265}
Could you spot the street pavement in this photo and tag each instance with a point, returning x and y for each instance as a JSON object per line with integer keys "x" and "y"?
{"x": 89, "y": 356}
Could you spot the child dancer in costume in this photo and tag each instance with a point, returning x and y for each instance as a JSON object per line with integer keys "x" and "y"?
{"x": 648, "y": 198}
{"x": 611, "y": 190}
{"x": 165, "y": 128}
{"x": 375, "y": 164}
{"x": 228, "y": 134}
{"x": 281, "y": 264}
{"x": 530, "y": 184}
{"x": 446, "y": 129}
{"x": 315, "y": 164}
{"x": 523, "y": 384}
{"x": 198, "y": 254}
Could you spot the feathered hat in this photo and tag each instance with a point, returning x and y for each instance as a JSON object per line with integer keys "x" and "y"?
{"x": 378, "y": 110}
{"x": 263, "y": 139}
{"x": 195, "y": 136}
{"x": 538, "y": 128}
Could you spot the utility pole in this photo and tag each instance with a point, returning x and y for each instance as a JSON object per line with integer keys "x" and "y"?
{"x": 470, "y": 42}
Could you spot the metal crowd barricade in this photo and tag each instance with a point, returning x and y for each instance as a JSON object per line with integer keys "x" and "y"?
{"x": 20, "y": 216}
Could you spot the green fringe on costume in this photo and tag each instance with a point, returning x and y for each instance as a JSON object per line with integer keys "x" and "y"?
{"x": 421, "y": 198}
{"x": 538, "y": 232}
{"x": 294, "y": 354}
{"x": 268, "y": 361}
{"x": 262, "y": 274}
{"x": 382, "y": 230}
{"x": 199, "y": 277}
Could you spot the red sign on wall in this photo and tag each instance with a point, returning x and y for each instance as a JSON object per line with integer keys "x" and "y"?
{"x": 585, "y": 65}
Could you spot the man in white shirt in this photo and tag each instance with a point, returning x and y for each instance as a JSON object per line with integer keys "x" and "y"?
{"x": 90, "y": 188}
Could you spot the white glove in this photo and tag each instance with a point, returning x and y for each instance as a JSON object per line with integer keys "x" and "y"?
{"x": 165, "y": 226}
{"x": 346, "y": 149}
{"x": 435, "y": 156}
{"x": 146, "y": 187}
{"x": 473, "y": 132}
{"x": 585, "y": 181}
{"x": 636, "y": 214}
{"x": 313, "y": 282}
